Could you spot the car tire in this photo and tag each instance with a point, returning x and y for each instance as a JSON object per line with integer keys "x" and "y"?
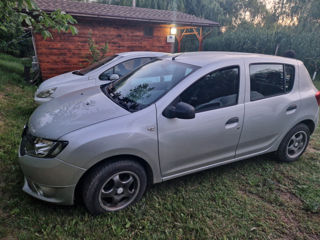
{"x": 114, "y": 186}
{"x": 294, "y": 143}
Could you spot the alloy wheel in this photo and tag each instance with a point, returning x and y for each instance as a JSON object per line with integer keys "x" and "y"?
{"x": 119, "y": 190}
{"x": 297, "y": 144}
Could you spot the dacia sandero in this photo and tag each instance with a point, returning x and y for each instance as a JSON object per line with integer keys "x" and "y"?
{"x": 174, "y": 116}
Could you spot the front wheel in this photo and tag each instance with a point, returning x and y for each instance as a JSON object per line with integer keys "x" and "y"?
{"x": 114, "y": 186}
{"x": 294, "y": 143}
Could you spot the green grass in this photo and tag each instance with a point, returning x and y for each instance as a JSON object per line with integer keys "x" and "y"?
{"x": 258, "y": 198}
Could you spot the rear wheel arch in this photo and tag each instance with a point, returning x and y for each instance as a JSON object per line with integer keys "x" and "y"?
{"x": 283, "y": 151}
{"x": 139, "y": 160}
{"x": 310, "y": 124}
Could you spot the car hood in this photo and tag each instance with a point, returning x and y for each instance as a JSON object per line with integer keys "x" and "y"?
{"x": 60, "y": 80}
{"x": 73, "y": 111}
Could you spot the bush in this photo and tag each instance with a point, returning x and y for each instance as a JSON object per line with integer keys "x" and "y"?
{"x": 257, "y": 39}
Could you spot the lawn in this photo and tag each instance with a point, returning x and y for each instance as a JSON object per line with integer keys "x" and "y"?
{"x": 258, "y": 198}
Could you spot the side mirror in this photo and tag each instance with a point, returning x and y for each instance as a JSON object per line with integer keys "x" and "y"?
{"x": 181, "y": 110}
{"x": 114, "y": 77}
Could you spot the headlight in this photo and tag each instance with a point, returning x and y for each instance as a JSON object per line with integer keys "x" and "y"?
{"x": 46, "y": 93}
{"x": 43, "y": 148}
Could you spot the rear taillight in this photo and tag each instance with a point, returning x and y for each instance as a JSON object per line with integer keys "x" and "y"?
{"x": 318, "y": 97}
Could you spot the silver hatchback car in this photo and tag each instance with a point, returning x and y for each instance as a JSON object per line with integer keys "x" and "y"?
{"x": 171, "y": 117}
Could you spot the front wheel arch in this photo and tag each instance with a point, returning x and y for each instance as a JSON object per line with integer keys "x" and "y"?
{"x": 142, "y": 162}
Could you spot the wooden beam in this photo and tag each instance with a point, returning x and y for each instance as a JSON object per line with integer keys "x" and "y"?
{"x": 200, "y": 39}
{"x": 191, "y": 30}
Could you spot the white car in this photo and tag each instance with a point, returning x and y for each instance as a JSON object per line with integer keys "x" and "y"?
{"x": 102, "y": 72}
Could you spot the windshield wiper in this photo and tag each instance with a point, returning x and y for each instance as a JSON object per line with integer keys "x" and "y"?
{"x": 77, "y": 73}
{"x": 131, "y": 104}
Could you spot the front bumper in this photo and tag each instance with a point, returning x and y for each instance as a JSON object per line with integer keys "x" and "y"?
{"x": 57, "y": 195}
{"x": 50, "y": 179}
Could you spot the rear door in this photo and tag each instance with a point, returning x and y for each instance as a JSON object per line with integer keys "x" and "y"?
{"x": 272, "y": 105}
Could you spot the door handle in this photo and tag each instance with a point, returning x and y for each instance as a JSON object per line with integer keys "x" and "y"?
{"x": 292, "y": 107}
{"x": 232, "y": 120}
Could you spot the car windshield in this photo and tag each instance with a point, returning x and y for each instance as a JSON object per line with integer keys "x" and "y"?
{"x": 94, "y": 66}
{"x": 146, "y": 85}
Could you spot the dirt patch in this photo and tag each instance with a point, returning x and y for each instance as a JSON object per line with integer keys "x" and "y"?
{"x": 2, "y": 101}
{"x": 292, "y": 225}
{"x": 2, "y": 97}
{"x": 312, "y": 150}
{"x": 289, "y": 220}
{"x": 9, "y": 238}
{"x": 13, "y": 88}
{"x": 1, "y": 125}
{"x": 256, "y": 197}
{"x": 2, "y": 122}
{"x": 290, "y": 198}
{"x": 293, "y": 228}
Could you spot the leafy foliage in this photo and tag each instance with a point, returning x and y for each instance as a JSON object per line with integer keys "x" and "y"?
{"x": 18, "y": 15}
{"x": 225, "y": 12}
{"x": 25, "y": 13}
{"x": 249, "y": 38}
{"x": 96, "y": 52}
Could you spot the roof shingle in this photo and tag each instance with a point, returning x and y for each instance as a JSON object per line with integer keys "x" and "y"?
{"x": 107, "y": 11}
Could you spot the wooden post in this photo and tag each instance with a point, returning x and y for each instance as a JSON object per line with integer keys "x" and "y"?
{"x": 200, "y": 39}
{"x": 179, "y": 45}
{"x": 179, "y": 37}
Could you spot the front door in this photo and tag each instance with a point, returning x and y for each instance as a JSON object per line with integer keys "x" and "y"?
{"x": 212, "y": 136}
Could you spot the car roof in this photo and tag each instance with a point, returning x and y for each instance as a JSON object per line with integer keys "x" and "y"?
{"x": 142, "y": 54}
{"x": 204, "y": 58}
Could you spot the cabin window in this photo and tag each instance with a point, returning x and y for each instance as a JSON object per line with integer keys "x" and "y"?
{"x": 148, "y": 31}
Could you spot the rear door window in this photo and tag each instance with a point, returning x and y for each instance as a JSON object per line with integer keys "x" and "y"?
{"x": 267, "y": 80}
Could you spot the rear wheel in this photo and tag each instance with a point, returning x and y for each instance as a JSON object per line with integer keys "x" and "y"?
{"x": 294, "y": 143}
{"x": 114, "y": 186}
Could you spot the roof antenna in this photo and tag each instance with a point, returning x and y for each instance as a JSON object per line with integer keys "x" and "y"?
{"x": 174, "y": 57}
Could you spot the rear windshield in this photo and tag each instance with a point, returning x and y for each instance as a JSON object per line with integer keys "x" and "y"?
{"x": 95, "y": 65}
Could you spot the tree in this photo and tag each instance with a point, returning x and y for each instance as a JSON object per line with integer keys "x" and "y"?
{"x": 96, "y": 53}
{"x": 302, "y": 12}
{"x": 25, "y": 13}
{"x": 226, "y": 12}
